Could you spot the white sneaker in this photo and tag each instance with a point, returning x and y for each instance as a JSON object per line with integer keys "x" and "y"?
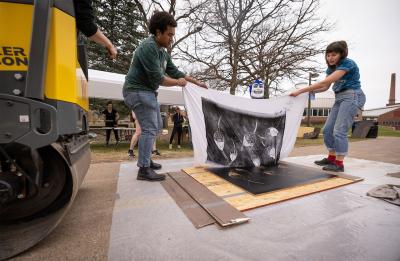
{"x": 179, "y": 146}
{"x": 170, "y": 146}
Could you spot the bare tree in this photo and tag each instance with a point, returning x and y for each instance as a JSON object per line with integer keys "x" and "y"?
{"x": 243, "y": 40}
{"x": 183, "y": 14}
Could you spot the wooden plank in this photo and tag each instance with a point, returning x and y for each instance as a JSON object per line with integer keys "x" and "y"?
{"x": 221, "y": 211}
{"x": 195, "y": 213}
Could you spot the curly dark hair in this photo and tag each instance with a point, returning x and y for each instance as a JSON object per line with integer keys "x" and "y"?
{"x": 337, "y": 47}
{"x": 160, "y": 21}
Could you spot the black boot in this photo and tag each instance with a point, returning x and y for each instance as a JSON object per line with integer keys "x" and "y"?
{"x": 146, "y": 173}
{"x": 334, "y": 167}
{"x": 154, "y": 165}
{"x": 323, "y": 162}
{"x": 156, "y": 152}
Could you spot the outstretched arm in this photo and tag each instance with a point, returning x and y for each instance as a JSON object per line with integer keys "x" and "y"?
{"x": 101, "y": 39}
{"x": 85, "y": 23}
{"x": 182, "y": 79}
{"x": 322, "y": 85}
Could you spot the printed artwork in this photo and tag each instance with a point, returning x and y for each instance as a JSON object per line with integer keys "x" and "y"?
{"x": 236, "y": 138}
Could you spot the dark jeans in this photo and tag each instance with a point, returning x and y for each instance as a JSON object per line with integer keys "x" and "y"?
{"x": 176, "y": 129}
{"x": 108, "y": 134}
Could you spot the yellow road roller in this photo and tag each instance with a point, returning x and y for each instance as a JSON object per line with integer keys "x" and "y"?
{"x": 44, "y": 147}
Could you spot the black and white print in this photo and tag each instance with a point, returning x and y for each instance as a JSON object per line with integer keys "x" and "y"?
{"x": 242, "y": 139}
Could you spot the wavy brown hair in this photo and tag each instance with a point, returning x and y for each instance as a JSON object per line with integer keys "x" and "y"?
{"x": 336, "y": 47}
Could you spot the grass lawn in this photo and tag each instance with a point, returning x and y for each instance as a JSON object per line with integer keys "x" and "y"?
{"x": 388, "y": 131}
{"x": 102, "y": 153}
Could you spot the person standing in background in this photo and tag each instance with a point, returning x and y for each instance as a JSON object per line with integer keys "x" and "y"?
{"x": 111, "y": 118}
{"x": 178, "y": 120}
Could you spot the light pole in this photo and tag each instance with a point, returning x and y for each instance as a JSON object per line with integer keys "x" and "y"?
{"x": 310, "y": 76}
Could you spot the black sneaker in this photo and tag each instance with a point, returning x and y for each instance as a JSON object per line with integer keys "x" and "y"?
{"x": 131, "y": 153}
{"x": 333, "y": 167}
{"x": 323, "y": 162}
{"x": 146, "y": 173}
{"x": 156, "y": 152}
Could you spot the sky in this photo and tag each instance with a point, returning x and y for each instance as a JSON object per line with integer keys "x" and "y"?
{"x": 371, "y": 29}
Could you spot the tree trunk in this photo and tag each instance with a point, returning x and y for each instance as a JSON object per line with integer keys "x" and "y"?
{"x": 165, "y": 109}
{"x": 266, "y": 88}
{"x": 233, "y": 83}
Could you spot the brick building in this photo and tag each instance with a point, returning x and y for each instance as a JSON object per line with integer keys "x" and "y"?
{"x": 389, "y": 115}
{"x": 386, "y": 116}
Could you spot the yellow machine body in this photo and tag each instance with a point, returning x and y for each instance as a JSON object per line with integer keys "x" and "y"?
{"x": 65, "y": 80}
{"x": 44, "y": 143}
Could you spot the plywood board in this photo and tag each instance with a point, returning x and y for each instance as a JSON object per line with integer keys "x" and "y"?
{"x": 243, "y": 200}
{"x": 220, "y": 210}
{"x": 193, "y": 170}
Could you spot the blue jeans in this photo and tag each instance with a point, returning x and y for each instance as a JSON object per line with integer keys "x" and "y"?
{"x": 345, "y": 108}
{"x": 147, "y": 111}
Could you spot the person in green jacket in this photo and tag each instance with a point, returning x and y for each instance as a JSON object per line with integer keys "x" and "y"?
{"x": 151, "y": 67}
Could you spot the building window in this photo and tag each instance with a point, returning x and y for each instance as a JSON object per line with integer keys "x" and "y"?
{"x": 326, "y": 112}
{"x": 305, "y": 112}
{"x": 314, "y": 112}
{"x": 320, "y": 112}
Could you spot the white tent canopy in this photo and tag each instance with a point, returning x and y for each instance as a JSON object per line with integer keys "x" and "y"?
{"x": 109, "y": 86}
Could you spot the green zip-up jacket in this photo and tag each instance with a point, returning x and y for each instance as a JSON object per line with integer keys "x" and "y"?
{"x": 149, "y": 65}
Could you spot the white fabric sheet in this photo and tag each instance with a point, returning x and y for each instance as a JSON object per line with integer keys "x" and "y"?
{"x": 238, "y": 132}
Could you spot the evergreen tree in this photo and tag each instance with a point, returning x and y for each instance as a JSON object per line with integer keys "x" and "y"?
{"x": 120, "y": 22}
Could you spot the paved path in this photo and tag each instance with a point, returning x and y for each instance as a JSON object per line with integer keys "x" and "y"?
{"x": 384, "y": 149}
{"x": 84, "y": 232}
